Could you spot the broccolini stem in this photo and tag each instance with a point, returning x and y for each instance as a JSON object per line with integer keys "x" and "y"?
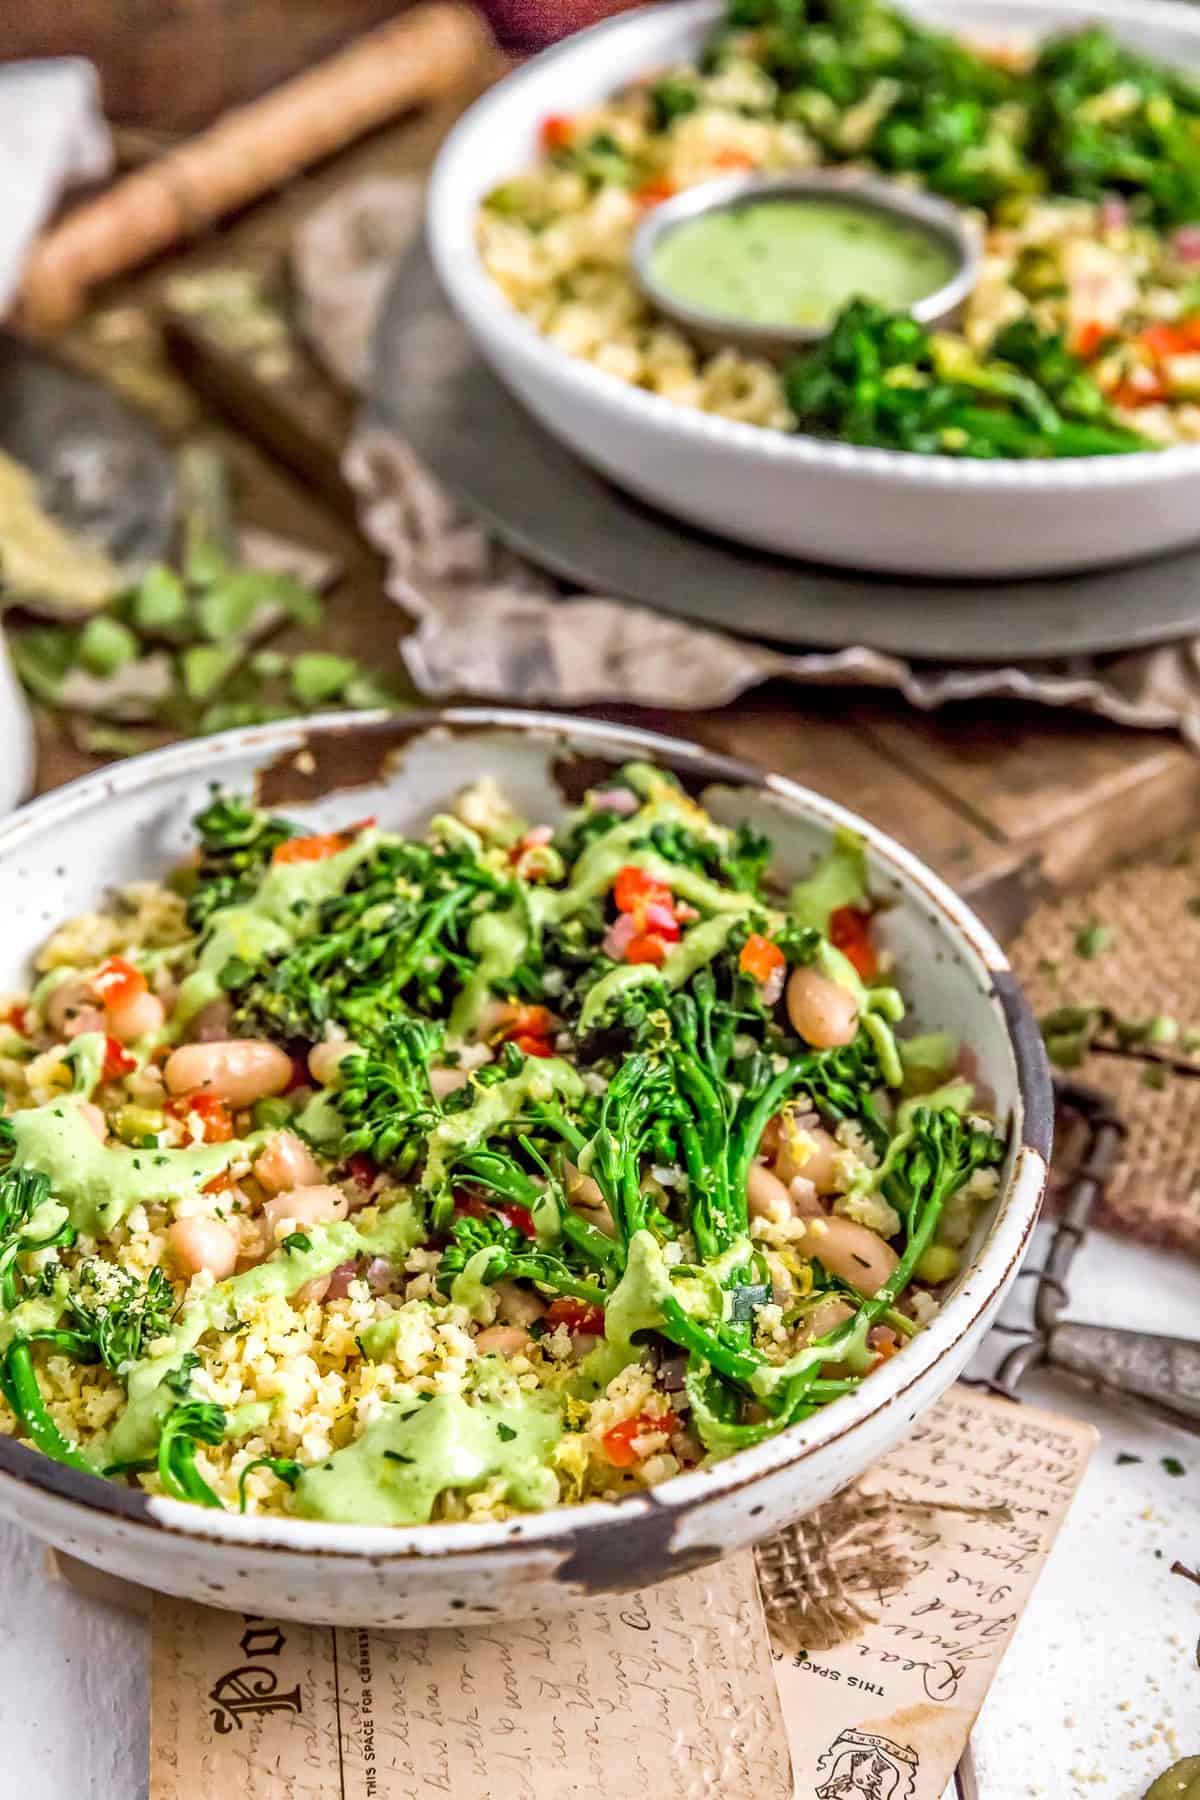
{"x": 682, "y": 1329}
{"x": 24, "y": 1395}
{"x": 532, "y": 1268}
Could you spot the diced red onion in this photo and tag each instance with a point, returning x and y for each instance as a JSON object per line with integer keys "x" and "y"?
{"x": 661, "y": 918}
{"x": 212, "y": 1024}
{"x": 672, "y": 1374}
{"x": 537, "y": 834}
{"x": 620, "y": 800}
{"x": 619, "y": 936}
{"x": 685, "y": 913}
{"x": 805, "y": 1198}
{"x": 339, "y": 1281}
{"x": 380, "y": 1275}
{"x": 966, "y": 1067}
{"x": 1186, "y": 243}
{"x": 1114, "y": 214}
{"x": 772, "y": 987}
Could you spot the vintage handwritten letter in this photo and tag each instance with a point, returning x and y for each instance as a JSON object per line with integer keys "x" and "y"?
{"x": 978, "y": 1492}
{"x": 670, "y": 1690}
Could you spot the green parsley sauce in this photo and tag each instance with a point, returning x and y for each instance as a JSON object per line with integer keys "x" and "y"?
{"x": 420, "y": 1447}
{"x": 799, "y": 262}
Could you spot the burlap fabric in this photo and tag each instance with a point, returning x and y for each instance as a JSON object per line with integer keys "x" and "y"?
{"x": 1151, "y": 967}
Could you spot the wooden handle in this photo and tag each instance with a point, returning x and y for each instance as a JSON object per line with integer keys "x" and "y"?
{"x": 418, "y": 57}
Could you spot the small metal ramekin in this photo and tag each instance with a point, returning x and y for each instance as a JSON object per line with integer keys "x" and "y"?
{"x": 716, "y": 329}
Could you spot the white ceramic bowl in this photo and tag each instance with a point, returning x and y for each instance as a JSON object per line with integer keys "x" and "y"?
{"x": 871, "y": 509}
{"x": 64, "y": 853}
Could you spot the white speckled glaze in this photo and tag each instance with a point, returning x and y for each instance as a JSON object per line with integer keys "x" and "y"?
{"x": 869, "y": 509}
{"x": 64, "y": 853}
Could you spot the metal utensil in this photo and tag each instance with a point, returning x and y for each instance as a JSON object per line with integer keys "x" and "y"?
{"x": 102, "y": 470}
{"x": 1159, "y": 1373}
{"x": 948, "y": 224}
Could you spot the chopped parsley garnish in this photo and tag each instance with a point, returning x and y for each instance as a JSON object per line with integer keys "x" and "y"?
{"x": 1093, "y": 939}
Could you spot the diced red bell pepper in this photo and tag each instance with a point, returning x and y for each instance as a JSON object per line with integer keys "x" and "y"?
{"x": 581, "y": 1317}
{"x": 760, "y": 957}
{"x": 473, "y": 1206}
{"x": 646, "y": 948}
{"x": 220, "y": 1184}
{"x": 1175, "y": 337}
{"x": 653, "y": 193}
{"x": 320, "y": 845}
{"x": 618, "y": 1443}
{"x": 528, "y": 1021}
{"x": 530, "y": 1028}
{"x": 634, "y": 888}
{"x": 518, "y": 1216}
{"x": 850, "y": 932}
{"x": 558, "y": 132}
{"x": 117, "y": 982}
{"x": 1087, "y": 338}
{"x": 1131, "y": 394}
{"x": 117, "y": 1060}
{"x": 18, "y": 1018}
{"x": 214, "y": 1115}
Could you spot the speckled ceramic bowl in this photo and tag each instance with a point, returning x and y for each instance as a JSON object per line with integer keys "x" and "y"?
{"x": 803, "y": 496}
{"x": 63, "y": 854}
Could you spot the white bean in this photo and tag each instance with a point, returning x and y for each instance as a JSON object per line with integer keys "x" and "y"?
{"x": 445, "y": 1081}
{"x": 324, "y": 1060}
{"x": 812, "y": 1152}
{"x": 517, "y": 1305}
{"x": 140, "y": 1016}
{"x": 766, "y": 1195}
{"x": 67, "y": 1003}
{"x": 93, "y": 1118}
{"x": 851, "y": 1252}
{"x": 146, "y": 1084}
{"x": 304, "y": 1206}
{"x": 502, "y": 1340}
{"x": 201, "y": 1243}
{"x": 240, "y": 1070}
{"x": 586, "y": 1194}
{"x": 826, "y": 1318}
{"x": 286, "y": 1162}
{"x": 806, "y": 1202}
{"x": 316, "y": 1289}
{"x": 211, "y": 1024}
{"x": 821, "y": 1011}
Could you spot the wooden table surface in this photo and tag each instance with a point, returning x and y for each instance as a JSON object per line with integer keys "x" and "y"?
{"x": 1004, "y": 800}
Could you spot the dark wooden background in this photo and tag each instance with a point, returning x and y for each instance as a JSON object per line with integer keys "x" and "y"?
{"x": 173, "y": 65}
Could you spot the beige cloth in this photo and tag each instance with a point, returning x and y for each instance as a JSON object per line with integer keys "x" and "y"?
{"x": 489, "y": 623}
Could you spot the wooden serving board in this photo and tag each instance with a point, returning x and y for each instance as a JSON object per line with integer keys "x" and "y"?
{"x": 1005, "y": 801}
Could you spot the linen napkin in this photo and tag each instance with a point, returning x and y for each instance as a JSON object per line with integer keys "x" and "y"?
{"x": 52, "y": 135}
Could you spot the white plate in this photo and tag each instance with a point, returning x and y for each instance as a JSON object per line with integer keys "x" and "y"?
{"x": 873, "y": 509}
